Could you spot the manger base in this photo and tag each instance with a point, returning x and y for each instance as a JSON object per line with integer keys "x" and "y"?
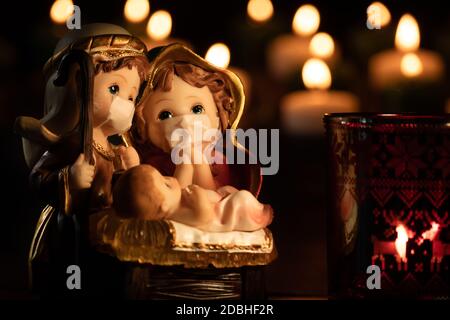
{"x": 167, "y": 260}
{"x": 144, "y": 281}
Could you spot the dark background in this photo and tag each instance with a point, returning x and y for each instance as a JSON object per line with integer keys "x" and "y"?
{"x": 27, "y": 40}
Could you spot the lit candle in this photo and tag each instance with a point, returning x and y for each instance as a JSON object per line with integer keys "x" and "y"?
{"x": 219, "y": 55}
{"x": 322, "y": 46}
{"x": 61, "y": 10}
{"x": 136, "y": 11}
{"x": 158, "y": 29}
{"x": 401, "y": 241}
{"x": 373, "y": 36}
{"x": 407, "y": 61}
{"x": 306, "y": 20}
{"x": 259, "y": 11}
{"x": 378, "y": 16}
{"x": 302, "y": 111}
{"x": 288, "y": 52}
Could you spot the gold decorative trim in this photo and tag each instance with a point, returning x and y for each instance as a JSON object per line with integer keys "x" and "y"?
{"x": 206, "y": 246}
{"x": 38, "y": 238}
{"x": 110, "y": 46}
{"x": 65, "y": 198}
{"x": 115, "y": 54}
{"x": 108, "y": 155}
{"x": 153, "y": 242}
{"x": 39, "y": 232}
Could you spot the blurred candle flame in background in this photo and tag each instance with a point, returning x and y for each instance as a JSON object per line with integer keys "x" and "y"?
{"x": 260, "y": 10}
{"x": 61, "y": 10}
{"x": 322, "y": 45}
{"x": 159, "y": 25}
{"x": 316, "y": 74}
{"x": 136, "y": 10}
{"x": 219, "y": 55}
{"x": 378, "y": 15}
{"x": 410, "y": 65}
{"x": 306, "y": 20}
{"x": 407, "y": 36}
{"x": 407, "y": 39}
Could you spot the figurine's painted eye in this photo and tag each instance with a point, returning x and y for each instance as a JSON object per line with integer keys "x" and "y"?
{"x": 168, "y": 186}
{"x": 163, "y": 115}
{"x": 197, "y": 109}
{"x": 114, "y": 89}
{"x": 131, "y": 99}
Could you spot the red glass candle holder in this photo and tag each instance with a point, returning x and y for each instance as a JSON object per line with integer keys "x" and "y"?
{"x": 388, "y": 205}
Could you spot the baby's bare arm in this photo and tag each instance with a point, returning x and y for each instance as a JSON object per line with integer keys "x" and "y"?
{"x": 202, "y": 204}
{"x": 184, "y": 174}
{"x": 198, "y": 211}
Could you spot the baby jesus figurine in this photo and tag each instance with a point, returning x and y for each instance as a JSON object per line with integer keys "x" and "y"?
{"x": 143, "y": 193}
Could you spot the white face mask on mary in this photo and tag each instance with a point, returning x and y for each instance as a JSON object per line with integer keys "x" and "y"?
{"x": 187, "y": 129}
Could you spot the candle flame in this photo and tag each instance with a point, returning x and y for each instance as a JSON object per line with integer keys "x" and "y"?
{"x": 410, "y": 65}
{"x": 219, "y": 55}
{"x": 322, "y": 45}
{"x": 378, "y": 15}
{"x": 306, "y": 20}
{"x": 431, "y": 233}
{"x": 136, "y": 10}
{"x": 316, "y": 74}
{"x": 61, "y": 10}
{"x": 401, "y": 241}
{"x": 159, "y": 25}
{"x": 407, "y": 37}
{"x": 260, "y": 10}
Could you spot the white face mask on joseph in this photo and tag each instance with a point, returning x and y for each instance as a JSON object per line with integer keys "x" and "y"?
{"x": 120, "y": 115}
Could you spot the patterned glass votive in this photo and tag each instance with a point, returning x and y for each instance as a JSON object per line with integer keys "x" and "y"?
{"x": 388, "y": 205}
